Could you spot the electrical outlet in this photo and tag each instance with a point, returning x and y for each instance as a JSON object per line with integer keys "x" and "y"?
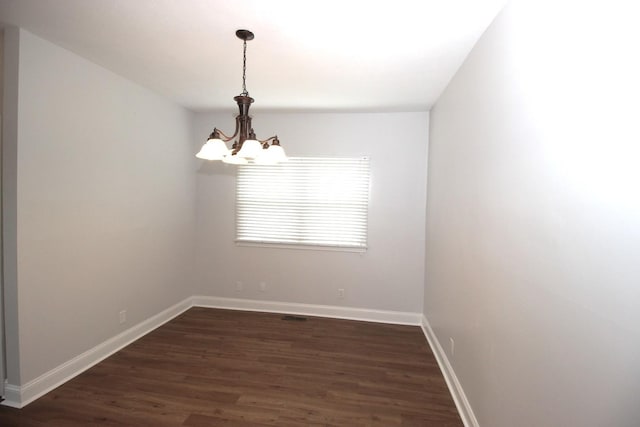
{"x": 453, "y": 346}
{"x": 263, "y": 286}
{"x": 239, "y": 286}
{"x": 122, "y": 316}
{"x": 341, "y": 293}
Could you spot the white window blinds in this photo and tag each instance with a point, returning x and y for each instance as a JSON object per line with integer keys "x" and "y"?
{"x": 305, "y": 201}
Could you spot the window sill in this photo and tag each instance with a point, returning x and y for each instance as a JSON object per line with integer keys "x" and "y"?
{"x": 302, "y": 247}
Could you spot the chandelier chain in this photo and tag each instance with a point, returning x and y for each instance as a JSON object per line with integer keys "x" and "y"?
{"x": 244, "y": 70}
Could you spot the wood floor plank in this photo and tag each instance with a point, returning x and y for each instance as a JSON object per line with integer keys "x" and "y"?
{"x": 211, "y": 367}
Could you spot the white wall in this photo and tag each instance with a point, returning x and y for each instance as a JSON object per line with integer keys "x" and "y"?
{"x": 9, "y": 200}
{"x": 533, "y": 217}
{"x": 105, "y": 209}
{"x": 389, "y": 276}
{"x": 2, "y": 339}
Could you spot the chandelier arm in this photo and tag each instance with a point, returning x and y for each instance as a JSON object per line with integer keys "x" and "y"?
{"x": 225, "y": 137}
{"x": 271, "y": 138}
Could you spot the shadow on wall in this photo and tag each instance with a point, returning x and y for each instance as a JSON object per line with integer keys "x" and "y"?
{"x": 216, "y": 167}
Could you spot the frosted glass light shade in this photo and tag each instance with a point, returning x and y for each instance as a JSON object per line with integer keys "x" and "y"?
{"x": 271, "y": 156}
{"x": 250, "y": 149}
{"x": 265, "y": 159}
{"x": 277, "y": 153}
{"x": 213, "y": 149}
{"x": 235, "y": 160}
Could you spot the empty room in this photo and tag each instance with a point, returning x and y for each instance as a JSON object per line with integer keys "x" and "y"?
{"x": 320, "y": 213}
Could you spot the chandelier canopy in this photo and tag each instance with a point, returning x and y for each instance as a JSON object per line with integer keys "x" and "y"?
{"x": 246, "y": 148}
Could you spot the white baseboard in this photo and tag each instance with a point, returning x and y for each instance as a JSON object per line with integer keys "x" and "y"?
{"x": 20, "y": 396}
{"x": 11, "y": 396}
{"x": 336, "y": 312}
{"x": 459, "y": 398}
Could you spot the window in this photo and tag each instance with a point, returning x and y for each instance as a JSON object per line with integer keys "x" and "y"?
{"x": 306, "y": 201}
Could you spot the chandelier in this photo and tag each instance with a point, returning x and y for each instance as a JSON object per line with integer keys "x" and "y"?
{"x": 246, "y": 148}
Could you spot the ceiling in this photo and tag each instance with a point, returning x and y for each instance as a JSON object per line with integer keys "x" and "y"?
{"x": 309, "y": 55}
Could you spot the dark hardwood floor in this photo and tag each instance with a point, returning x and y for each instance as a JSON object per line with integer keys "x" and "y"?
{"x": 225, "y": 368}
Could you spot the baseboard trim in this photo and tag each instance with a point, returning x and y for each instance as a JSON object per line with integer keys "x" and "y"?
{"x": 336, "y": 312}
{"x": 20, "y": 396}
{"x": 11, "y": 396}
{"x": 459, "y": 397}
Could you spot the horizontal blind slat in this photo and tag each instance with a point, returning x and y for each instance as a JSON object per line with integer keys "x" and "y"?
{"x": 310, "y": 201}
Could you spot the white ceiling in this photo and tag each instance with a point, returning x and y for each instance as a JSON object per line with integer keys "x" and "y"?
{"x": 314, "y": 55}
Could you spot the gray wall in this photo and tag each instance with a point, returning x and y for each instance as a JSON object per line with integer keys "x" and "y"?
{"x": 389, "y": 276}
{"x": 2, "y": 358}
{"x": 105, "y": 207}
{"x": 533, "y": 218}
{"x": 9, "y": 200}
